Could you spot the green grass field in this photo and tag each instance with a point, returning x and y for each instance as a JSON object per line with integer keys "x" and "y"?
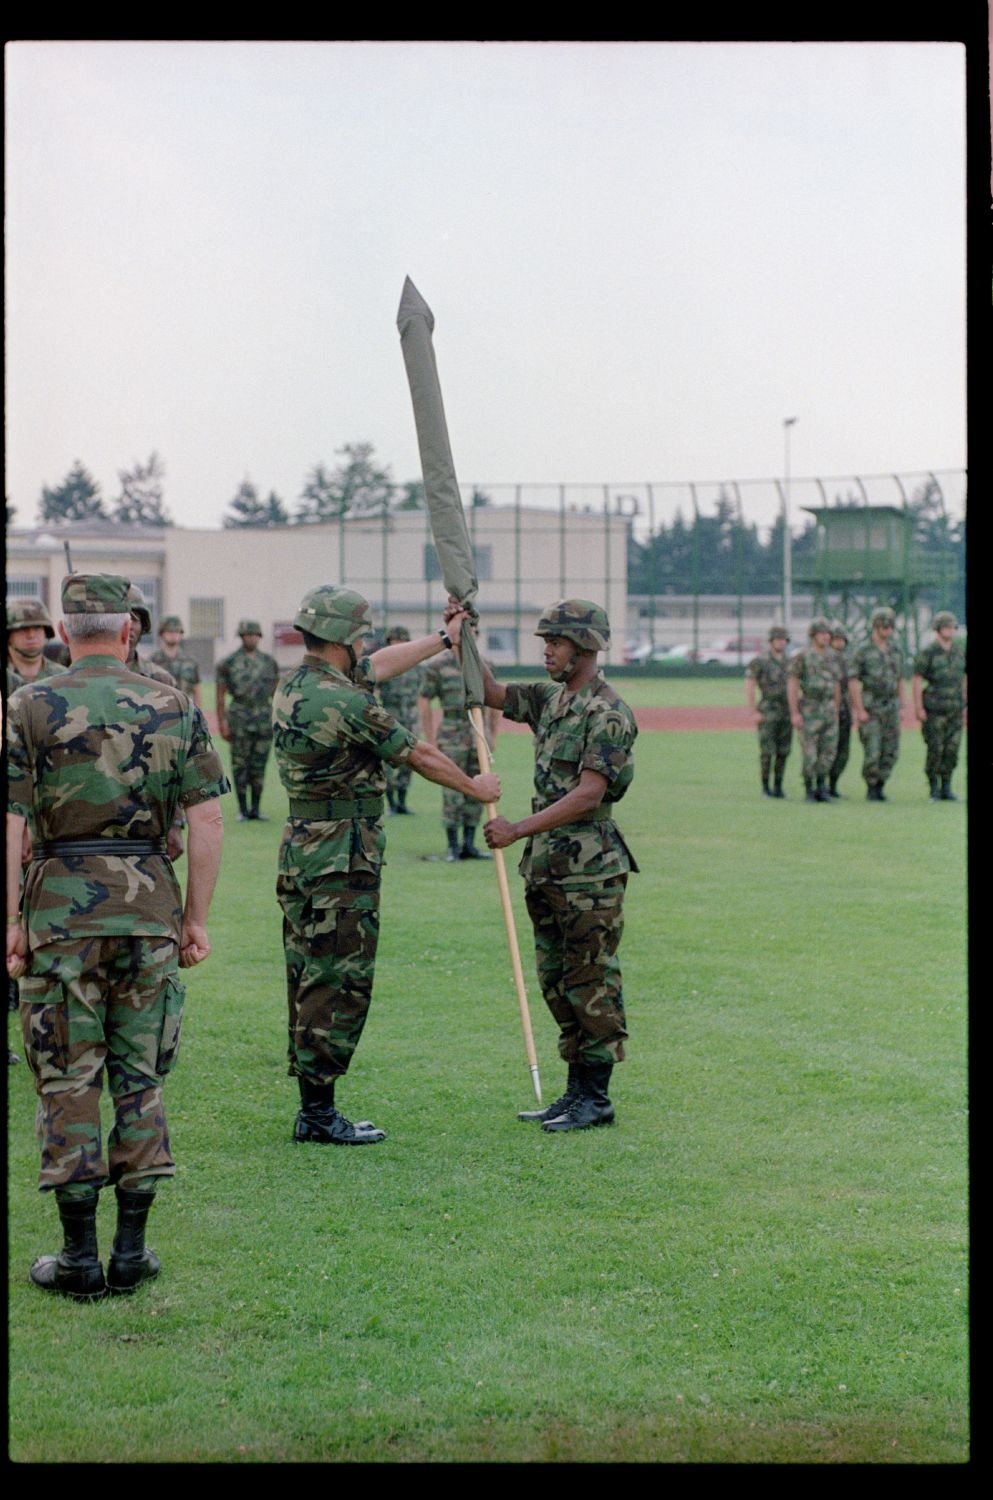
{"x": 763, "y": 1261}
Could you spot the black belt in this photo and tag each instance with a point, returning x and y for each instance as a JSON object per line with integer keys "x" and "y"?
{"x": 85, "y": 848}
{"x": 330, "y": 809}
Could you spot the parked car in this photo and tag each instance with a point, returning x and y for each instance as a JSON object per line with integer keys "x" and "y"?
{"x": 732, "y": 651}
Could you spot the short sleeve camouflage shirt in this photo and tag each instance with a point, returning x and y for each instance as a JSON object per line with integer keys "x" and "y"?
{"x": 943, "y": 672}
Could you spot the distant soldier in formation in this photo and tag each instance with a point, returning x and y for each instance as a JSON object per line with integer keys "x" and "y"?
{"x": 332, "y": 740}
{"x": 940, "y": 691}
{"x": 455, "y": 735}
{"x": 768, "y": 673}
{"x": 399, "y": 697}
{"x": 875, "y": 687}
{"x": 28, "y": 627}
{"x": 14, "y": 681}
{"x": 814, "y": 692}
{"x": 100, "y": 757}
{"x": 178, "y": 663}
{"x": 141, "y": 625}
{"x": 839, "y": 644}
{"x": 249, "y": 676}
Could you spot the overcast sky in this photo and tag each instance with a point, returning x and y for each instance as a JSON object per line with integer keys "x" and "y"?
{"x": 641, "y": 258}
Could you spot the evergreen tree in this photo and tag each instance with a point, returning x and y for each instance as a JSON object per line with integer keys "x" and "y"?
{"x": 77, "y": 498}
{"x": 140, "y": 500}
{"x": 248, "y": 510}
{"x": 355, "y": 488}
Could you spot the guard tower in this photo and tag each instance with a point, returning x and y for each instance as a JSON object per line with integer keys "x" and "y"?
{"x": 863, "y": 557}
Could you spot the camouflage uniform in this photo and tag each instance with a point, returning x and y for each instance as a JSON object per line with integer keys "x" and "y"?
{"x": 943, "y": 673}
{"x": 879, "y": 670}
{"x": 101, "y": 757}
{"x": 23, "y": 613}
{"x": 250, "y": 677}
{"x": 398, "y": 696}
{"x": 331, "y": 741}
{"x": 769, "y": 673}
{"x": 575, "y": 875}
{"x": 442, "y": 679}
{"x": 182, "y": 668}
{"x": 844, "y": 716}
{"x": 818, "y": 673}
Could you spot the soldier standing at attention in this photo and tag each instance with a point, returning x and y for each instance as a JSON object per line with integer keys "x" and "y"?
{"x": 250, "y": 676}
{"x": 181, "y": 666}
{"x": 332, "y": 740}
{"x": 457, "y": 738}
{"x": 875, "y": 687}
{"x": 772, "y": 715}
{"x": 814, "y": 692}
{"x": 940, "y": 689}
{"x": 839, "y": 644}
{"x": 141, "y": 624}
{"x": 100, "y": 758}
{"x": 399, "y": 697}
{"x": 575, "y": 863}
{"x": 28, "y": 627}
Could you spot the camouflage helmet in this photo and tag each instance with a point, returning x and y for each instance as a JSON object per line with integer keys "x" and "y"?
{"x": 778, "y": 632}
{"x": 334, "y": 614}
{"x": 942, "y": 618}
{"x": 248, "y": 627}
{"x": 397, "y": 633}
{"x": 839, "y": 628}
{"x": 883, "y": 616}
{"x": 577, "y": 620}
{"x": 137, "y": 606}
{"x": 817, "y": 626}
{"x": 171, "y": 622}
{"x": 23, "y": 613}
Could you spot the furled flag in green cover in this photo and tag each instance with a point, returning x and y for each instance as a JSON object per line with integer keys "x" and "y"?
{"x": 415, "y": 321}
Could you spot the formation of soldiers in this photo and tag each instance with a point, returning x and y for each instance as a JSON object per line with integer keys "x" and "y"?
{"x": 825, "y": 688}
{"x": 110, "y": 758}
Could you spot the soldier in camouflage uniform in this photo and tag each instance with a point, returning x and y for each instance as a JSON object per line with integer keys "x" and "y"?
{"x": 575, "y": 863}
{"x": 179, "y": 664}
{"x": 332, "y": 740}
{"x": 250, "y": 676}
{"x": 814, "y": 692}
{"x": 457, "y": 738}
{"x": 768, "y": 673}
{"x": 939, "y": 686}
{"x": 141, "y": 625}
{"x": 875, "y": 688}
{"x": 28, "y": 627}
{"x": 100, "y": 758}
{"x": 14, "y": 681}
{"x": 839, "y": 644}
{"x": 399, "y": 697}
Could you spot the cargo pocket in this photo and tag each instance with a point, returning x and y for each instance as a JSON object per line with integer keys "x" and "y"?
{"x": 45, "y": 1028}
{"x": 172, "y": 1025}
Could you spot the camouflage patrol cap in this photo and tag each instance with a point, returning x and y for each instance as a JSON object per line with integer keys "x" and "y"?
{"x": 23, "y": 613}
{"x": 334, "y": 614}
{"x": 817, "y": 626}
{"x": 398, "y": 633}
{"x": 171, "y": 622}
{"x": 942, "y": 618}
{"x": 137, "y": 606}
{"x": 778, "y": 632}
{"x": 248, "y": 627}
{"x": 577, "y": 620}
{"x": 837, "y": 628}
{"x": 883, "y": 616}
{"x": 95, "y": 594}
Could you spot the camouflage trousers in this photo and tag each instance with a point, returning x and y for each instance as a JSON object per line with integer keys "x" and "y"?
{"x": 880, "y": 744}
{"x": 942, "y": 737}
{"x": 576, "y": 937}
{"x": 819, "y": 738}
{"x": 330, "y": 934}
{"x": 96, "y": 1002}
{"x": 844, "y": 746}
{"x": 458, "y": 740}
{"x": 251, "y": 740}
{"x": 775, "y": 739}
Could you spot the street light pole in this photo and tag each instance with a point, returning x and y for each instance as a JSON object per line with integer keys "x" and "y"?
{"x": 787, "y": 538}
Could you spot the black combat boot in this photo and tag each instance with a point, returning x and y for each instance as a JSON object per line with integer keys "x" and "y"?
{"x": 947, "y": 795}
{"x": 76, "y": 1271}
{"x": 809, "y": 794}
{"x": 401, "y": 796}
{"x": 777, "y": 783}
{"x": 591, "y": 1106}
{"x": 822, "y": 794}
{"x": 452, "y": 852}
{"x": 934, "y": 787}
{"x": 322, "y": 1124}
{"x": 244, "y": 816}
{"x": 561, "y": 1104}
{"x": 469, "y": 850}
{"x": 130, "y": 1263}
{"x": 765, "y": 785}
{"x": 833, "y": 787}
{"x": 254, "y": 813}
{"x": 391, "y": 801}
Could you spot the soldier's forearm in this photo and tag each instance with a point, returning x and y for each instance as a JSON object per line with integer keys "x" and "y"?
{"x": 434, "y": 765}
{"x": 15, "y": 835}
{"x": 391, "y": 661}
{"x": 205, "y": 835}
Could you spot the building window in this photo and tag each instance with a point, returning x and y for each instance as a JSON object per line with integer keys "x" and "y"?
{"x": 482, "y": 561}
{"x": 24, "y": 588}
{"x": 501, "y": 639}
{"x": 206, "y": 619}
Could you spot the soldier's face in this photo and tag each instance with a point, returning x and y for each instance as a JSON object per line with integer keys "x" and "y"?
{"x": 134, "y": 633}
{"x": 171, "y": 638}
{"x": 945, "y": 634}
{"x": 821, "y": 638}
{"x": 560, "y": 657}
{"x": 778, "y": 644}
{"x": 28, "y": 641}
{"x": 250, "y": 642}
{"x": 838, "y": 642}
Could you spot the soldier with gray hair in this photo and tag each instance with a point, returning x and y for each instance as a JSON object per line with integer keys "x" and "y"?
{"x": 100, "y": 758}
{"x": 332, "y": 740}
{"x": 940, "y": 690}
{"x": 575, "y": 863}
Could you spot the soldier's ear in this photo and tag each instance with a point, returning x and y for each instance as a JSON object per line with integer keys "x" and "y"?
{"x": 62, "y": 633}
